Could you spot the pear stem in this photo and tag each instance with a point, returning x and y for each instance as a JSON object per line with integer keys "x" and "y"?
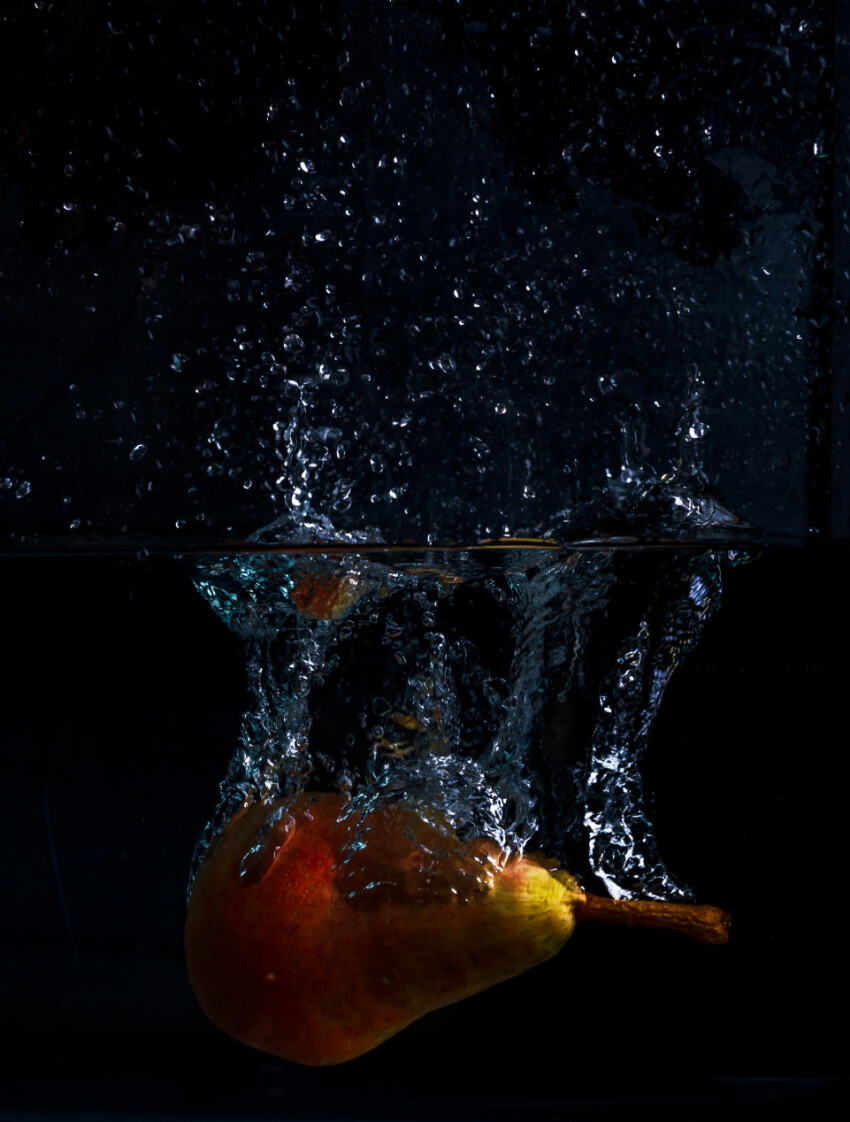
{"x": 702, "y": 922}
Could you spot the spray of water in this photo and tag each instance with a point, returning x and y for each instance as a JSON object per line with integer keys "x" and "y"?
{"x": 444, "y": 680}
{"x": 435, "y": 350}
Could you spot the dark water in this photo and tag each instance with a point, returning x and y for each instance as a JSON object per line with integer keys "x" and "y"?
{"x": 122, "y": 706}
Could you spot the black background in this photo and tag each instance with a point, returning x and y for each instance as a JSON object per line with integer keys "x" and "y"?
{"x": 121, "y": 701}
{"x": 121, "y": 696}
{"x": 123, "y": 125}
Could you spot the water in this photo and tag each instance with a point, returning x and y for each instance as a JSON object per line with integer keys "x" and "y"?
{"x": 428, "y": 275}
{"x": 442, "y": 273}
{"x": 458, "y": 318}
{"x": 329, "y": 294}
{"x": 513, "y": 691}
{"x": 472, "y": 681}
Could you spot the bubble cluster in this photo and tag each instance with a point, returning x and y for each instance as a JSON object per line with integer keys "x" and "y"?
{"x": 435, "y": 271}
{"x": 511, "y": 693}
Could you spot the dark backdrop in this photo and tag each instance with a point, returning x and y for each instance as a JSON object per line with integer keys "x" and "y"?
{"x": 121, "y": 693}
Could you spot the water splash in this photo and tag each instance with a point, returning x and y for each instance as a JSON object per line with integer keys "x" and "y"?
{"x": 622, "y": 848}
{"x": 431, "y": 349}
{"x": 513, "y": 693}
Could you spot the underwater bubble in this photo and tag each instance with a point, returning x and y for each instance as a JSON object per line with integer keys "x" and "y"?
{"x": 464, "y": 679}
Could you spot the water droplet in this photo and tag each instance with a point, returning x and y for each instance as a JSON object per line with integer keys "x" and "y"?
{"x": 276, "y": 833}
{"x": 293, "y": 344}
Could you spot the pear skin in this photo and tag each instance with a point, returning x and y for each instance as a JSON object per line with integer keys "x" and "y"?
{"x": 317, "y": 951}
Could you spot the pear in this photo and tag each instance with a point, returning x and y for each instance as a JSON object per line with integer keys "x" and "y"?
{"x": 327, "y": 592}
{"x": 316, "y": 936}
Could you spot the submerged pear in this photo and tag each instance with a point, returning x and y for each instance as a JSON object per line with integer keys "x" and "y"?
{"x": 316, "y": 937}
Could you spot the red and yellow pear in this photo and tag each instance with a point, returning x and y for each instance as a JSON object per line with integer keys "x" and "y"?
{"x": 317, "y": 950}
